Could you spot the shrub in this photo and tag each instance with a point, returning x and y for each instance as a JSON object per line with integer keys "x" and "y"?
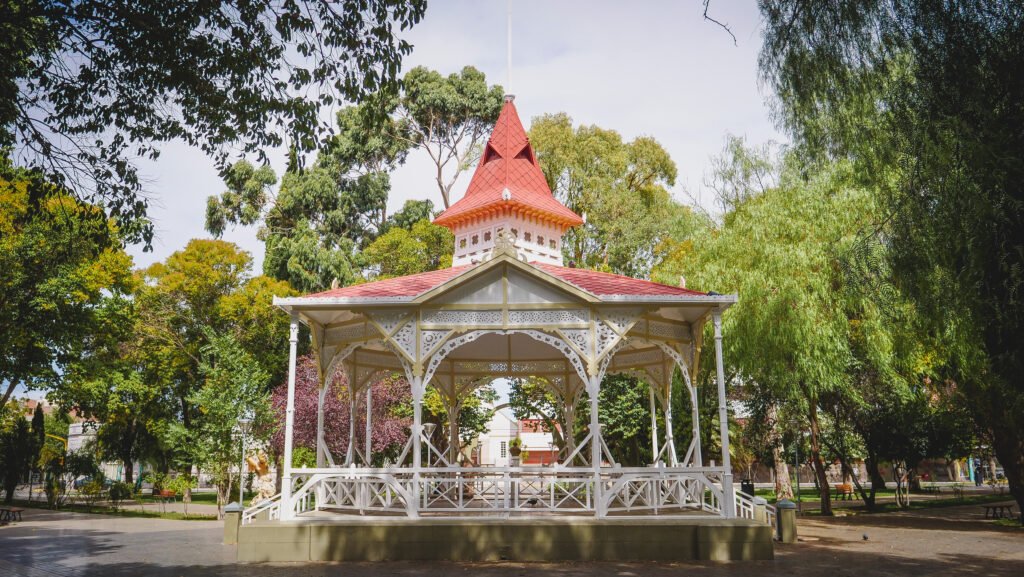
{"x": 118, "y": 492}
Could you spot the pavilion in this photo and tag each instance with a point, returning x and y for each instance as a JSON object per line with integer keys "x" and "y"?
{"x": 509, "y": 307}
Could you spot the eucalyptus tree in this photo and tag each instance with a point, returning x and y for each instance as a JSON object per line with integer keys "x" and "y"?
{"x": 620, "y": 188}
{"x": 88, "y": 86}
{"x": 924, "y": 98}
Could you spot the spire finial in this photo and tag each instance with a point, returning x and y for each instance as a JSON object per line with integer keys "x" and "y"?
{"x": 508, "y": 54}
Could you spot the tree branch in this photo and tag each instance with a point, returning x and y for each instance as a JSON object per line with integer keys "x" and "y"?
{"x": 722, "y": 25}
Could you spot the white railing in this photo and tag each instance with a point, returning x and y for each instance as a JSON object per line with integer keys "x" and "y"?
{"x": 746, "y": 508}
{"x": 488, "y": 491}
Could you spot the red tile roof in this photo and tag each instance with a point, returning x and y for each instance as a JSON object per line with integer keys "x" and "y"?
{"x": 600, "y": 284}
{"x": 508, "y": 162}
{"x": 608, "y": 284}
{"x": 402, "y": 286}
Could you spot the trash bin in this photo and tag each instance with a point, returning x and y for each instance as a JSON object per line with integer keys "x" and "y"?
{"x": 747, "y": 486}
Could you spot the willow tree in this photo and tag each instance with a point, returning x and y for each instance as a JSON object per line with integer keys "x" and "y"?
{"x": 930, "y": 91}
{"x": 789, "y": 333}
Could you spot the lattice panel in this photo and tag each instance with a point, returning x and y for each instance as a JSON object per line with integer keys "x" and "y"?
{"x": 548, "y": 317}
{"x": 668, "y": 331}
{"x": 462, "y": 318}
{"x": 354, "y": 332}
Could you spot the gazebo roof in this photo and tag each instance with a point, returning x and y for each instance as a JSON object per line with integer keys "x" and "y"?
{"x": 600, "y": 285}
{"x": 508, "y": 178}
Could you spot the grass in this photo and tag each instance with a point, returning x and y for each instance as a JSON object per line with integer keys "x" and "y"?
{"x": 122, "y": 512}
{"x": 917, "y": 504}
{"x": 208, "y": 497}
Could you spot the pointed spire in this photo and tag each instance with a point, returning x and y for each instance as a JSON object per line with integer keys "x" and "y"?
{"x": 508, "y": 178}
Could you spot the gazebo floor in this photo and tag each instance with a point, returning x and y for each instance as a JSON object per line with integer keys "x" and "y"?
{"x": 530, "y": 536}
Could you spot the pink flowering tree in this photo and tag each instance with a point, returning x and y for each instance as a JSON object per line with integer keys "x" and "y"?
{"x": 391, "y": 413}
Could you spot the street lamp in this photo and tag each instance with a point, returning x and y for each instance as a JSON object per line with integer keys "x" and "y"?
{"x": 244, "y": 424}
{"x": 799, "y": 497}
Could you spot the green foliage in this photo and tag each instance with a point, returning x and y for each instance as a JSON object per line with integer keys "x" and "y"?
{"x": 119, "y": 492}
{"x": 235, "y": 386}
{"x": 400, "y": 252}
{"x": 922, "y": 97}
{"x": 230, "y": 77}
{"x": 303, "y": 457}
{"x": 15, "y": 455}
{"x": 58, "y": 258}
{"x": 621, "y": 188}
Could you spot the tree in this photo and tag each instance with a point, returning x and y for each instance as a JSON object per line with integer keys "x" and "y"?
{"x": 15, "y": 455}
{"x": 218, "y": 75}
{"x": 620, "y": 188}
{"x": 400, "y": 251}
{"x": 918, "y": 95}
{"x": 58, "y": 257}
{"x": 197, "y": 292}
{"x": 391, "y": 413}
{"x": 780, "y": 251}
{"x": 235, "y": 385}
{"x": 448, "y": 117}
{"x": 313, "y": 228}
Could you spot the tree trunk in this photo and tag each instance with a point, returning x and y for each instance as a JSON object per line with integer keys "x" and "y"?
{"x": 821, "y": 478}
{"x": 1009, "y": 447}
{"x": 13, "y": 384}
{"x": 129, "y": 471}
{"x": 783, "y": 486}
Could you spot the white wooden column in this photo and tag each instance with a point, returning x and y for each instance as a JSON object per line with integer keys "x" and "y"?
{"x": 698, "y": 458}
{"x": 321, "y": 457}
{"x": 417, "y": 435}
{"x": 368, "y": 455}
{"x": 289, "y": 421}
{"x": 729, "y": 498}
{"x": 593, "y": 390}
{"x": 654, "y": 426}
{"x": 670, "y": 434}
{"x": 350, "y": 453}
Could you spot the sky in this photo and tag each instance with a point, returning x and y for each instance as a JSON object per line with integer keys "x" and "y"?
{"x": 654, "y": 68}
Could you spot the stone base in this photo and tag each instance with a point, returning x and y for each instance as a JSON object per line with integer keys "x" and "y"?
{"x": 515, "y": 539}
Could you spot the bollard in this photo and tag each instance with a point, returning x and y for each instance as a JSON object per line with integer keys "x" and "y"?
{"x": 785, "y": 511}
{"x": 232, "y": 519}
{"x": 761, "y": 510}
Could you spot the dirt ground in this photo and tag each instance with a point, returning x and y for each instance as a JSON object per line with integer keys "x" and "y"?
{"x": 940, "y": 541}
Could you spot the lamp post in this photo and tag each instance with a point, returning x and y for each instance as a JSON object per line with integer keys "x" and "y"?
{"x": 796, "y": 468}
{"x": 244, "y": 423}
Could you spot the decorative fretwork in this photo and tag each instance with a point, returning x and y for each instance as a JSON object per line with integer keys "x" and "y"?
{"x": 354, "y": 332}
{"x": 621, "y": 319}
{"x": 462, "y": 318}
{"x": 559, "y": 344}
{"x": 446, "y": 349}
{"x": 606, "y": 337}
{"x": 389, "y": 321}
{"x": 548, "y": 317}
{"x": 667, "y": 331}
{"x": 405, "y": 338}
{"x": 431, "y": 339}
{"x": 578, "y": 337}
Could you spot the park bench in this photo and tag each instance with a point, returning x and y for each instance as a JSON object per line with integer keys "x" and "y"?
{"x": 998, "y": 511}
{"x": 166, "y": 495}
{"x": 844, "y": 491}
{"x": 958, "y": 491}
{"x": 8, "y": 514}
{"x": 930, "y": 489}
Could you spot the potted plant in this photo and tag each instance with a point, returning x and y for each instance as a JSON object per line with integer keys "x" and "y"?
{"x": 515, "y": 446}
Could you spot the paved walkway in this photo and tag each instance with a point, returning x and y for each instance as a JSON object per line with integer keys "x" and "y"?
{"x": 939, "y": 542}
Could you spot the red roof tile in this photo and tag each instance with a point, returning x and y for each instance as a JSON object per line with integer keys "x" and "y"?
{"x": 608, "y": 284}
{"x": 402, "y": 286}
{"x": 509, "y": 163}
{"x": 601, "y": 284}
